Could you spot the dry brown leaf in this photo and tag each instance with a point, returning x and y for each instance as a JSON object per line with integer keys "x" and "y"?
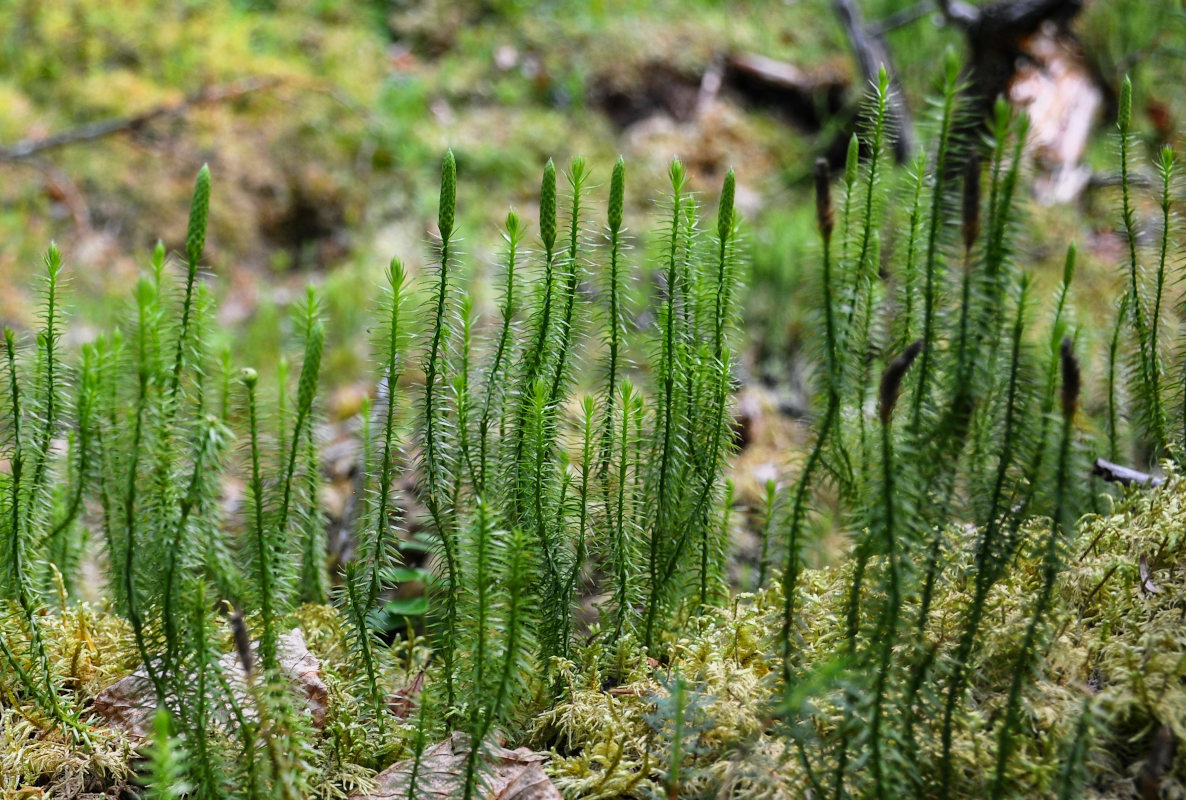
{"x": 508, "y": 774}
{"x": 1159, "y": 762}
{"x": 402, "y": 702}
{"x": 129, "y": 704}
{"x": 1146, "y": 577}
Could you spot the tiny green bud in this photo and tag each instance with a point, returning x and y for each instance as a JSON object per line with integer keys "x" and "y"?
{"x": 145, "y": 292}
{"x": 158, "y": 252}
{"x": 53, "y": 260}
{"x": 199, "y": 213}
{"x": 395, "y": 275}
{"x": 625, "y": 388}
{"x": 951, "y": 67}
{"x": 547, "y": 206}
{"x": 1023, "y": 126}
{"x": 578, "y": 171}
{"x": 448, "y": 194}
{"x": 617, "y": 192}
{"x": 679, "y": 175}
{"x": 1002, "y": 111}
{"x": 1124, "y": 116}
{"x": 882, "y": 83}
{"x": 852, "y": 161}
{"x": 1068, "y": 267}
{"x": 513, "y": 224}
{"x": 249, "y": 376}
{"x": 725, "y": 214}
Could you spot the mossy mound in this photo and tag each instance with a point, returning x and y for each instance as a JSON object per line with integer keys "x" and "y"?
{"x": 1112, "y": 685}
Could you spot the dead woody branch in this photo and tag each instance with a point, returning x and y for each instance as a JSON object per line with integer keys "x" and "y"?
{"x": 872, "y": 54}
{"x": 27, "y": 149}
{"x": 1126, "y": 476}
{"x": 996, "y": 35}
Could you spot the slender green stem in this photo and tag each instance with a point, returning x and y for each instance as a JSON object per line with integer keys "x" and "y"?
{"x": 382, "y": 525}
{"x": 495, "y": 376}
{"x": 659, "y": 533}
{"x": 931, "y": 261}
{"x": 621, "y": 554}
{"x": 1060, "y": 529}
{"x": 263, "y": 550}
{"x": 576, "y": 178}
{"x": 989, "y": 562}
{"x": 432, "y": 455}
{"x": 130, "y": 545}
{"x": 889, "y": 628}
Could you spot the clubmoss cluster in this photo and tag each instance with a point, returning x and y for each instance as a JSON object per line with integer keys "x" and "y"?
{"x": 522, "y": 499}
{"x": 984, "y": 638}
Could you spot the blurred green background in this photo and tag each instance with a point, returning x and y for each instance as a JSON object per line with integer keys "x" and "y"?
{"x": 323, "y": 122}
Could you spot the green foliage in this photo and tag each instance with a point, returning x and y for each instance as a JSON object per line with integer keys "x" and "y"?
{"x": 518, "y": 518}
{"x": 955, "y": 473}
{"x": 981, "y": 447}
{"x": 167, "y": 765}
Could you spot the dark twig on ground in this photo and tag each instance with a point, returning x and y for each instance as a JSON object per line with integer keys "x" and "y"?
{"x": 872, "y": 54}
{"x": 29, "y": 148}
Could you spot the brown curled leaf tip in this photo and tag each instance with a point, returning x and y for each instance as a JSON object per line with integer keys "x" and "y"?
{"x": 1072, "y": 379}
{"x": 970, "y": 222}
{"x": 891, "y": 380}
{"x": 823, "y": 198}
{"x": 242, "y": 642}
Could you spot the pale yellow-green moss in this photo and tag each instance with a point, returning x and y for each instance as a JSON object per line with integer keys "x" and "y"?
{"x": 1116, "y": 646}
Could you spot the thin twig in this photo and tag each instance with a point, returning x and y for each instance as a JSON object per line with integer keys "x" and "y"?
{"x": 872, "y": 54}
{"x": 29, "y": 148}
{"x": 900, "y": 19}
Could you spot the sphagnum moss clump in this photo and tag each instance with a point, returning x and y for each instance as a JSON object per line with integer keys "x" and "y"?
{"x": 978, "y": 642}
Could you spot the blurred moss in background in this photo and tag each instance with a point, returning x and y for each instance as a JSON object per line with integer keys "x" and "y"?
{"x": 323, "y": 122}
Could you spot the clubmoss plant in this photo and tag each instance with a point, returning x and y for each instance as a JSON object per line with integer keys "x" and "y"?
{"x": 934, "y": 228}
{"x": 167, "y": 769}
{"x": 1060, "y": 530}
{"x": 436, "y": 467}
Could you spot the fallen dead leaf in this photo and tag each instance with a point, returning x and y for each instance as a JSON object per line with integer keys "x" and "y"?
{"x": 1159, "y": 762}
{"x": 1146, "y": 578}
{"x": 129, "y": 704}
{"x": 508, "y": 774}
{"x": 402, "y": 702}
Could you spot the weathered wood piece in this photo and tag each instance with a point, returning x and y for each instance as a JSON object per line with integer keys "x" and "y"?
{"x": 1115, "y": 473}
